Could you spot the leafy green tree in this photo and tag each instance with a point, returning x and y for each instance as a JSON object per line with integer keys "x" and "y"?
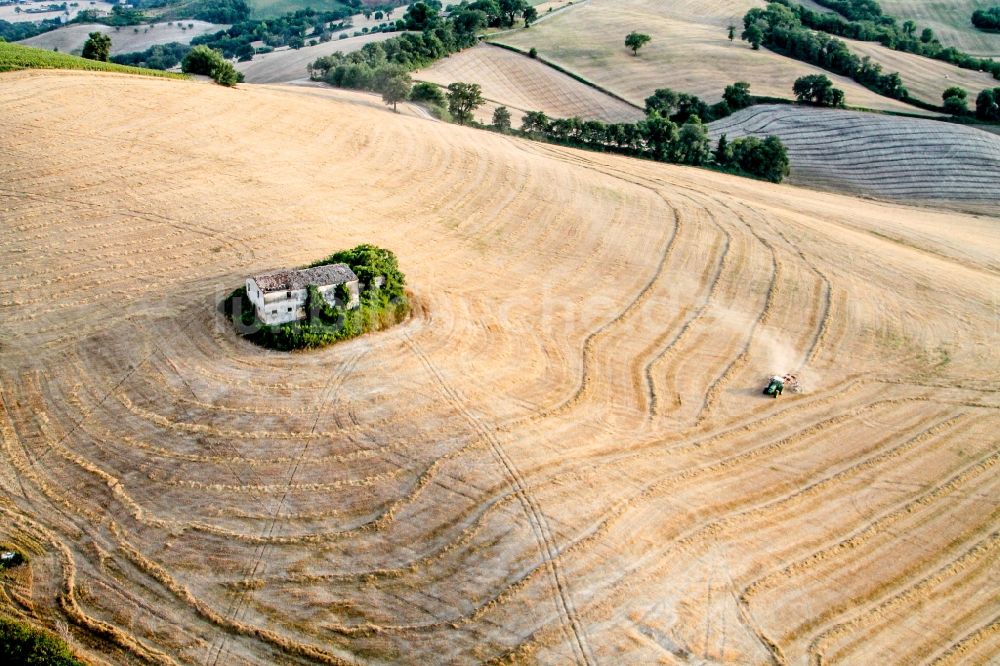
{"x": 732, "y": 32}
{"x": 225, "y": 74}
{"x": 636, "y": 40}
{"x": 501, "y": 118}
{"x": 909, "y": 28}
{"x": 723, "y": 155}
{"x": 927, "y": 36}
{"x": 491, "y": 8}
{"x": 738, "y": 96}
{"x": 689, "y": 106}
{"x": 659, "y": 134}
{"x": 463, "y": 100}
{"x": 693, "y": 144}
{"x": 818, "y": 89}
{"x": 988, "y": 104}
{"x": 396, "y": 89}
{"x": 530, "y": 15}
{"x": 766, "y": 159}
{"x": 420, "y": 16}
{"x": 753, "y": 34}
{"x": 987, "y": 19}
{"x": 427, "y": 93}
{"x": 97, "y": 47}
{"x": 203, "y": 60}
{"x": 663, "y": 101}
{"x": 200, "y": 60}
{"x": 535, "y": 122}
{"x": 470, "y": 21}
{"x": 955, "y": 101}
{"x": 370, "y": 263}
{"x": 510, "y": 9}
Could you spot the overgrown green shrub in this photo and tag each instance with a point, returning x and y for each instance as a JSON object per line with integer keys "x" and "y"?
{"x": 24, "y": 645}
{"x": 328, "y": 323}
{"x": 203, "y": 60}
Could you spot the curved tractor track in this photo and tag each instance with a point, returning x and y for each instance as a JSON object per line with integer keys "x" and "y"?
{"x": 563, "y": 456}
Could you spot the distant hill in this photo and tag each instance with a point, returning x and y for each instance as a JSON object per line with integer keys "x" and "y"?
{"x": 17, "y": 56}
{"x": 126, "y": 39}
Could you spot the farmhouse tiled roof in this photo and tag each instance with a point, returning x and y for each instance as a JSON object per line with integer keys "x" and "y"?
{"x": 321, "y": 276}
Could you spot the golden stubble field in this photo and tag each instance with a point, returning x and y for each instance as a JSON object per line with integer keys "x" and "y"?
{"x": 563, "y": 456}
{"x": 689, "y": 51}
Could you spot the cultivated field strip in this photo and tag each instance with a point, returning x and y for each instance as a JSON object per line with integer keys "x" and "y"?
{"x": 563, "y": 456}
{"x": 523, "y": 85}
{"x": 902, "y": 159}
{"x": 71, "y": 38}
{"x": 925, "y": 78}
{"x": 288, "y": 64}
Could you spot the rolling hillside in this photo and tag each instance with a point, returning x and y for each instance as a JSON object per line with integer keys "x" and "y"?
{"x": 42, "y": 10}
{"x": 523, "y": 84}
{"x": 926, "y": 79}
{"x": 689, "y": 51}
{"x": 563, "y": 457}
{"x": 286, "y": 65}
{"x": 904, "y": 159}
{"x": 71, "y": 38}
{"x": 951, "y": 22}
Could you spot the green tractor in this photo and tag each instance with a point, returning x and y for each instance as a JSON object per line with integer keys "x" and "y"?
{"x": 777, "y": 383}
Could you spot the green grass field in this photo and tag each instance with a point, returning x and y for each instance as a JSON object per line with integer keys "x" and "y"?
{"x": 15, "y": 56}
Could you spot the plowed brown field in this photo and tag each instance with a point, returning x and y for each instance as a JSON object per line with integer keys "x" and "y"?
{"x": 562, "y": 457}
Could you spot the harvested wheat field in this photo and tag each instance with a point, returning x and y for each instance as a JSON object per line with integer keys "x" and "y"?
{"x": 127, "y": 39}
{"x": 887, "y": 157}
{"x": 951, "y": 22}
{"x": 564, "y": 456}
{"x": 926, "y": 79}
{"x": 287, "y": 64}
{"x": 689, "y": 51}
{"x": 523, "y": 84}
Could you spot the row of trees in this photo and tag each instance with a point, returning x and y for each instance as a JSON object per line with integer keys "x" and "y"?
{"x": 956, "y": 102}
{"x": 659, "y": 138}
{"x": 289, "y": 29}
{"x": 673, "y": 130}
{"x": 158, "y": 56}
{"x": 818, "y": 89}
{"x": 780, "y": 29}
{"x": 888, "y": 32}
{"x": 375, "y": 64}
{"x": 680, "y": 107}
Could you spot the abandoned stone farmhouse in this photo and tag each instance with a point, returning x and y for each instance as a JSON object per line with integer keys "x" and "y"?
{"x": 280, "y": 297}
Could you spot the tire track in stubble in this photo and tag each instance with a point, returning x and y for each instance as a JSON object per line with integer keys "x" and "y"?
{"x": 532, "y": 510}
{"x": 335, "y": 383}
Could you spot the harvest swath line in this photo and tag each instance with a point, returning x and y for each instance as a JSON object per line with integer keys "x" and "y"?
{"x": 534, "y": 514}
{"x": 333, "y": 384}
